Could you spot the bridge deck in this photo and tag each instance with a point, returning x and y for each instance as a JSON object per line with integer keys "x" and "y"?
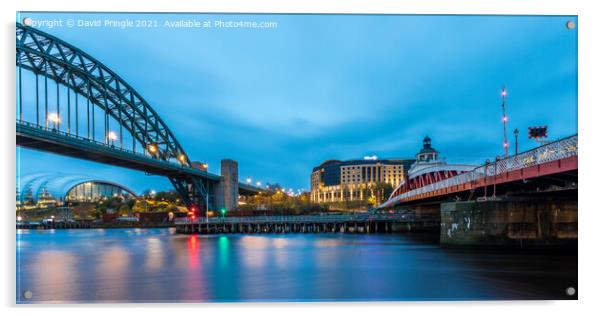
{"x": 551, "y": 159}
{"x": 59, "y": 142}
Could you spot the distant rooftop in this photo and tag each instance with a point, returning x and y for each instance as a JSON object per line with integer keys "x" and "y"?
{"x": 55, "y": 184}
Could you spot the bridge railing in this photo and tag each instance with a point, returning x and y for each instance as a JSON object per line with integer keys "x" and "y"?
{"x": 89, "y": 140}
{"x": 553, "y": 151}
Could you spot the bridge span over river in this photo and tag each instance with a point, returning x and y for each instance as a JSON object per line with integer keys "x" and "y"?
{"x": 71, "y": 104}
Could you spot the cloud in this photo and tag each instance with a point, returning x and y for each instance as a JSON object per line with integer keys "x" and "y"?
{"x": 344, "y": 86}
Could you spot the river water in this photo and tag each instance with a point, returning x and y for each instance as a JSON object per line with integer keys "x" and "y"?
{"x": 157, "y": 265}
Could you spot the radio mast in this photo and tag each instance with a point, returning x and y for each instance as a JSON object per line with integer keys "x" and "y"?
{"x": 505, "y": 121}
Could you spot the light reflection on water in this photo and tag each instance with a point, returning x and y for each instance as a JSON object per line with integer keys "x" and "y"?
{"x": 149, "y": 265}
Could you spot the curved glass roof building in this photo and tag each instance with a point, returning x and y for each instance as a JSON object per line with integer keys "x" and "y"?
{"x": 33, "y": 188}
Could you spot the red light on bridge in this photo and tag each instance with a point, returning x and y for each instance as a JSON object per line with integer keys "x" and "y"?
{"x": 192, "y": 213}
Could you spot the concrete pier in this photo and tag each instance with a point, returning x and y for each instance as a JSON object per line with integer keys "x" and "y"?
{"x": 227, "y": 189}
{"x": 545, "y": 222}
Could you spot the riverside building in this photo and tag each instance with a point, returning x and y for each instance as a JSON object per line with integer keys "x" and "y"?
{"x": 42, "y": 190}
{"x": 351, "y": 180}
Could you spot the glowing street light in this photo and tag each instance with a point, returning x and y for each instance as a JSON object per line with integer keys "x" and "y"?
{"x": 19, "y": 218}
{"x": 112, "y": 136}
{"x": 182, "y": 158}
{"x": 258, "y": 183}
{"x": 249, "y": 180}
{"x": 55, "y": 119}
{"x": 152, "y": 148}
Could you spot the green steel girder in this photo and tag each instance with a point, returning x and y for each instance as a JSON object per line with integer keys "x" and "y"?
{"x": 60, "y": 61}
{"x": 193, "y": 192}
{"x": 49, "y": 56}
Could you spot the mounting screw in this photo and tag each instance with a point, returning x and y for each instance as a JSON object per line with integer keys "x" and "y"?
{"x": 570, "y": 291}
{"x": 570, "y": 25}
{"x": 27, "y": 295}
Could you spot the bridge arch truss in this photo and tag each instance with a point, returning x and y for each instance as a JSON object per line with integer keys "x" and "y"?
{"x": 71, "y": 92}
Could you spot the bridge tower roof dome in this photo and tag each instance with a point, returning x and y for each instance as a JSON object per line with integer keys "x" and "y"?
{"x": 427, "y": 153}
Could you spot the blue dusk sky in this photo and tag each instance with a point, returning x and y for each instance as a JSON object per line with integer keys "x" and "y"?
{"x": 282, "y": 100}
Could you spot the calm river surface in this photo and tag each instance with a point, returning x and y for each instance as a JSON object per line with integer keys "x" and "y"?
{"x": 156, "y": 265}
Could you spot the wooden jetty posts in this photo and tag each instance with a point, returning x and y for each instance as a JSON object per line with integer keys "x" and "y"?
{"x": 364, "y": 223}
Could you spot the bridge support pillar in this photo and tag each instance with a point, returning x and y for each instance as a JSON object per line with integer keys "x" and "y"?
{"x": 541, "y": 222}
{"x": 226, "y": 194}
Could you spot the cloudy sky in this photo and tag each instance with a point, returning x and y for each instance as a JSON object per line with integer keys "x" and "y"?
{"x": 318, "y": 87}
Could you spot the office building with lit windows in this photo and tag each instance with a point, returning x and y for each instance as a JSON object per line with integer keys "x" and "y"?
{"x": 350, "y": 180}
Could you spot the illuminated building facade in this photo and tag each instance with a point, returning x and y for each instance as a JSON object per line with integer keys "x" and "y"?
{"x": 52, "y": 189}
{"x": 351, "y": 180}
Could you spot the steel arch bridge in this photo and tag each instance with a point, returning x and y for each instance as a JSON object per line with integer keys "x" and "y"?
{"x": 75, "y": 94}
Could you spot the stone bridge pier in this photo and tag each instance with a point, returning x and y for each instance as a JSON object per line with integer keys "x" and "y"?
{"x": 226, "y": 191}
{"x": 517, "y": 222}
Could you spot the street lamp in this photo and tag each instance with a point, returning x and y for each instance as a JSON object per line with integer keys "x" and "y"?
{"x": 497, "y": 158}
{"x": 112, "y": 136}
{"x": 258, "y": 183}
{"x": 516, "y": 141}
{"x": 249, "y": 180}
{"x": 152, "y": 148}
{"x": 182, "y": 158}
{"x": 55, "y": 119}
